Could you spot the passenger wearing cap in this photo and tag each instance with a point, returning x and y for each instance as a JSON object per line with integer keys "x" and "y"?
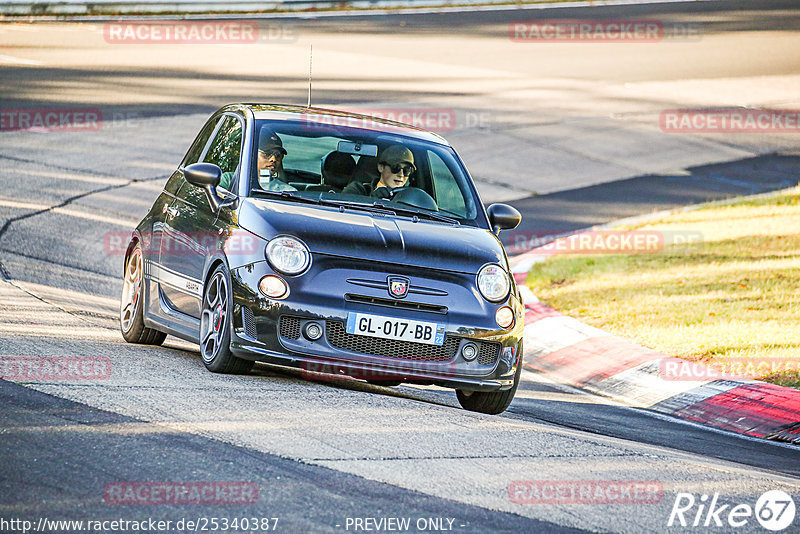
{"x": 395, "y": 165}
{"x": 270, "y": 162}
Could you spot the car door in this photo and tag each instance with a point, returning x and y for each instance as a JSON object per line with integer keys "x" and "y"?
{"x": 161, "y": 228}
{"x": 190, "y": 232}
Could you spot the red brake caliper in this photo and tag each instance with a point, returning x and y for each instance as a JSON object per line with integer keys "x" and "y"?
{"x": 218, "y": 323}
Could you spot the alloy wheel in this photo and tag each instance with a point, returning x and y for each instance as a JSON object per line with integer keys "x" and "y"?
{"x": 131, "y": 289}
{"x": 214, "y": 318}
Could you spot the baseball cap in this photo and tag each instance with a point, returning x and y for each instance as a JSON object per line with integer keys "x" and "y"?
{"x": 394, "y": 154}
{"x": 268, "y": 139}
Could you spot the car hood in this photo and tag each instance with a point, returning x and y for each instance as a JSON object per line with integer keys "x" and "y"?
{"x": 360, "y": 234}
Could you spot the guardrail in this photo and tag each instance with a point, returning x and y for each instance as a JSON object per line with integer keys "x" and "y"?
{"x": 178, "y": 8}
{"x": 153, "y": 7}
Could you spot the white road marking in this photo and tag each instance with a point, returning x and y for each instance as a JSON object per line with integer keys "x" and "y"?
{"x": 126, "y": 223}
{"x": 22, "y": 205}
{"x": 71, "y": 176}
{"x": 39, "y": 330}
{"x": 19, "y": 60}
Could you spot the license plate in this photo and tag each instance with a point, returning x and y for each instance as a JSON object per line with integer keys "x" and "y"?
{"x": 365, "y": 324}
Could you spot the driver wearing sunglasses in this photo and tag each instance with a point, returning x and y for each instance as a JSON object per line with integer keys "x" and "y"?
{"x": 395, "y": 165}
{"x": 271, "y": 175}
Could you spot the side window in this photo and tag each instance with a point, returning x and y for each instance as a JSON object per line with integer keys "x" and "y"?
{"x": 192, "y": 156}
{"x": 196, "y": 150}
{"x": 226, "y": 147}
{"x": 448, "y": 194}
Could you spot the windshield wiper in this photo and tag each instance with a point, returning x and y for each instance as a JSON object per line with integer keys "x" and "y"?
{"x": 357, "y": 206}
{"x": 287, "y": 195}
{"x": 292, "y": 195}
{"x": 408, "y": 211}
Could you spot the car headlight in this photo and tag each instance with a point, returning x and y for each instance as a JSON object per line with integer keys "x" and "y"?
{"x": 493, "y": 283}
{"x": 288, "y": 255}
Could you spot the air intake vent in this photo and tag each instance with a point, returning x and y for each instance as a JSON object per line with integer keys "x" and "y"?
{"x": 488, "y": 352}
{"x": 390, "y": 348}
{"x": 290, "y": 327}
{"x": 249, "y": 322}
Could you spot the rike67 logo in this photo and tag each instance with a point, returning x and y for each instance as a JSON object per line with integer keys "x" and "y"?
{"x": 774, "y": 510}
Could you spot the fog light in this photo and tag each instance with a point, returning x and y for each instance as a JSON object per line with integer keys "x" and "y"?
{"x": 273, "y": 286}
{"x": 469, "y": 351}
{"x": 504, "y": 317}
{"x": 312, "y": 331}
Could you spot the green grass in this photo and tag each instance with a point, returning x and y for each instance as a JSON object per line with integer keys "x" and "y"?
{"x": 733, "y": 297}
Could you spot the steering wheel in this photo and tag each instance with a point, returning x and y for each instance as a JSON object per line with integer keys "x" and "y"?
{"x": 413, "y": 196}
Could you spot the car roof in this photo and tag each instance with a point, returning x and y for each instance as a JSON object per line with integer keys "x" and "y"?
{"x": 335, "y": 117}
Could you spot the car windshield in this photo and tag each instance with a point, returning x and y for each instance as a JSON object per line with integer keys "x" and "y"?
{"x": 362, "y": 169}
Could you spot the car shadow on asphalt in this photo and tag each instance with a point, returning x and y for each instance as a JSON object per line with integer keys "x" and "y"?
{"x": 427, "y": 394}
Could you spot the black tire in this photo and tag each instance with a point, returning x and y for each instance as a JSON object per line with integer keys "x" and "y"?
{"x": 215, "y": 326}
{"x": 489, "y": 402}
{"x": 131, "y": 319}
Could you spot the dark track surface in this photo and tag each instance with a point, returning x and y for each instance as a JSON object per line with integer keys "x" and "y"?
{"x": 581, "y": 208}
{"x": 63, "y": 453}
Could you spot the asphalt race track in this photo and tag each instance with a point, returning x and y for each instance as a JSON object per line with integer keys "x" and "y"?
{"x": 567, "y": 132}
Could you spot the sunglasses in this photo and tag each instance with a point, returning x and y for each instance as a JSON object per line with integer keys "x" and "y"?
{"x": 397, "y": 168}
{"x": 272, "y": 152}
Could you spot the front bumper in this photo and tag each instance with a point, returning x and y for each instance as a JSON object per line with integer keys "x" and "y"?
{"x": 272, "y": 330}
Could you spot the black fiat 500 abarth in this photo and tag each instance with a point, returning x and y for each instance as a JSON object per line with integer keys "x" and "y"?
{"x": 338, "y": 243}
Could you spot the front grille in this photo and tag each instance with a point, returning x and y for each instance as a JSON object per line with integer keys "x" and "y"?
{"x": 390, "y": 348}
{"x": 488, "y": 351}
{"x": 395, "y": 303}
{"x": 290, "y": 327}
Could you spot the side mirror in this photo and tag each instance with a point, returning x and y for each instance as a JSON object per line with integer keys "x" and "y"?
{"x": 207, "y": 177}
{"x": 503, "y": 217}
{"x": 203, "y": 174}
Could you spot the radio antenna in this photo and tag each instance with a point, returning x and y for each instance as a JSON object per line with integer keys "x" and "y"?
{"x": 310, "y": 55}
